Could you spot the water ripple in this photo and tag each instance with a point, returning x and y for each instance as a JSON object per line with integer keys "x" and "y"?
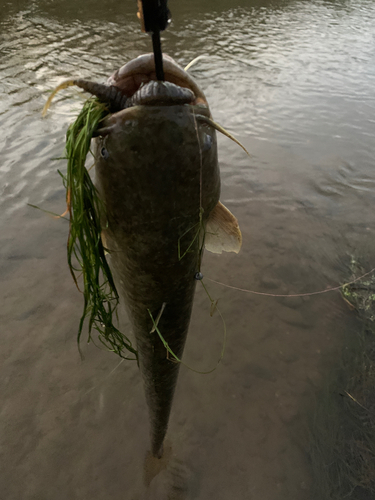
{"x": 295, "y": 75}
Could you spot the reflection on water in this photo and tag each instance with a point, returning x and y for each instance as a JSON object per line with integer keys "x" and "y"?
{"x": 295, "y": 82}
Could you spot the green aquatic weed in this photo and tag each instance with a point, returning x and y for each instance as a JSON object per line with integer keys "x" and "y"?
{"x": 86, "y": 253}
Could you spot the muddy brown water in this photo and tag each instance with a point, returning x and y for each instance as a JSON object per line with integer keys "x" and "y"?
{"x": 294, "y": 81}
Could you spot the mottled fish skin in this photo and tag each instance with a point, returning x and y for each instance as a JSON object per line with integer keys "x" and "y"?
{"x": 155, "y": 168}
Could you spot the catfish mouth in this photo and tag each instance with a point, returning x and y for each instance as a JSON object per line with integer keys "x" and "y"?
{"x": 137, "y": 83}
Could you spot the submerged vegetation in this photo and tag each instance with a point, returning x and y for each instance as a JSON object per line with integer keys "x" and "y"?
{"x": 343, "y": 431}
{"x": 86, "y": 254}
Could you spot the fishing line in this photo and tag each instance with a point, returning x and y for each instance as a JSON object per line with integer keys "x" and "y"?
{"x": 200, "y": 161}
{"x": 201, "y": 210}
{"x": 308, "y": 294}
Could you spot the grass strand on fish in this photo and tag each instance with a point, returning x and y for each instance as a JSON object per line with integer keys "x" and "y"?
{"x": 175, "y": 358}
{"x": 86, "y": 252}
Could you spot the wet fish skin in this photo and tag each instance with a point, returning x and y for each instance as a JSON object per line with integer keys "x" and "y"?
{"x": 153, "y": 176}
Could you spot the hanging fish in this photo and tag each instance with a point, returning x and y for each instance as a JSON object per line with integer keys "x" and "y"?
{"x": 157, "y": 174}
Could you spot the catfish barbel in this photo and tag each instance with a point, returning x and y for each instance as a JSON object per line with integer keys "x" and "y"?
{"x": 157, "y": 173}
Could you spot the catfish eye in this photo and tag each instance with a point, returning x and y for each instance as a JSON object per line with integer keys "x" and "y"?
{"x": 104, "y": 153}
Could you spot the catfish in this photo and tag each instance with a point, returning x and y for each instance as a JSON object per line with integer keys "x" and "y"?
{"x": 157, "y": 174}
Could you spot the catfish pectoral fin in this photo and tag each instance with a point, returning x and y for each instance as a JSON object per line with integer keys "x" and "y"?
{"x": 222, "y": 231}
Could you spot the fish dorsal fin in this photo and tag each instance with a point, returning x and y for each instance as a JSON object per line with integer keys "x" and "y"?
{"x": 222, "y": 231}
